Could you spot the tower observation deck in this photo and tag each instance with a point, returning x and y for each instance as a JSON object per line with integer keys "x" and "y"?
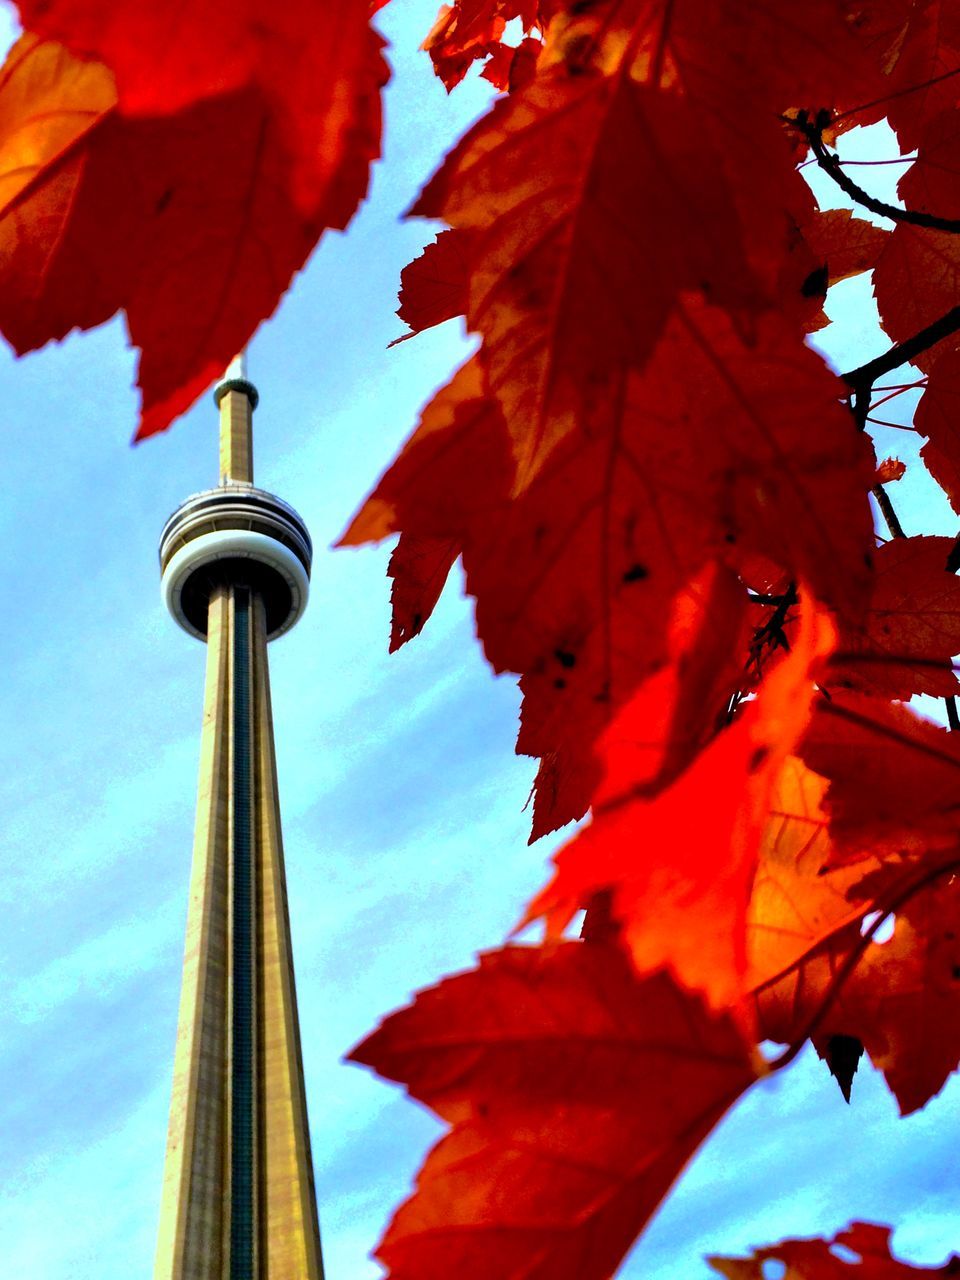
{"x": 238, "y": 1193}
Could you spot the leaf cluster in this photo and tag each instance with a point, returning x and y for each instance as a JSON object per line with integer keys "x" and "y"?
{"x": 661, "y": 497}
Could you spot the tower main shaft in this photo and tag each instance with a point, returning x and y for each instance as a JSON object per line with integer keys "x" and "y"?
{"x": 238, "y": 1195}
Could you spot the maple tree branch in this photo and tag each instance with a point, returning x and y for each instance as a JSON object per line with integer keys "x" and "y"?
{"x": 863, "y": 377}
{"x": 853, "y": 959}
{"x": 831, "y": 164}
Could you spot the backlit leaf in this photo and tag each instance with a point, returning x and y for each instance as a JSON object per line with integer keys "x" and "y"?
{"x": 575, "y": 1094}
{"x": 861, "y": 1252}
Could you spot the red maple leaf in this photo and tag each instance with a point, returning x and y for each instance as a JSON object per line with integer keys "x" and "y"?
{"x": 433, "y": 288}
{"x": 868, "y": 1243}
{"x": 938, "y": 418}
{"x": 316, "y": 69}
{"x": 192, "y": 222}
{"x": 575, "y": 1094}
{"x": 911, "y": 630}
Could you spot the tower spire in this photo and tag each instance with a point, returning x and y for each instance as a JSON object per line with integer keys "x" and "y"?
{"x": 238, "y": 1194}
{"x": 236, "y": 398}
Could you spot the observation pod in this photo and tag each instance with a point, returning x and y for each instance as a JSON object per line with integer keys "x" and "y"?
{"x": 238, "y": 1200}
{"x": 231, "y": 535}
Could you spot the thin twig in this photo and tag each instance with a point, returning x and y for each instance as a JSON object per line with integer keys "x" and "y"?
{"x": 883, "y": 422}
{"x": 875, "y": 164}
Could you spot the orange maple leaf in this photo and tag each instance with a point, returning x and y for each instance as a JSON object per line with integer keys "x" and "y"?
{"x": 679, "y": 866}
{"x": 799, "y": 897}
{"x": 900, "y": 999}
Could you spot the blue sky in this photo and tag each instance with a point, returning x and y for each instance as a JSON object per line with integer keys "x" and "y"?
{"x": 404, "y": 829}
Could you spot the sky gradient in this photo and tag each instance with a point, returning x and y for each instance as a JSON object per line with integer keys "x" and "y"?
{"x": 402, "y": 799}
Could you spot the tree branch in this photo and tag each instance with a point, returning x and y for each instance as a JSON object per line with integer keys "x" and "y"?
{"x": 865, "y": 375}
{"x": 812, "y": 130}
{"x": 888, "y": 512}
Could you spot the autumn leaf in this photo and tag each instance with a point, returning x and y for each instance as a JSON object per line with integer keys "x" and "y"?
{"x": 799, "y": 898}
{"x": 553, "y": 283}
{"x": 831, "y": 1259}
{"x": 916, "y": 281}
{"x": 49, "y": 105}
{"x": 679, "y": 864}
{"x": 419, "y": 568}
{"x": 938, "y": 417}
{"x": 316, "y": 69}
{"x": 894, "y": 777}
{"x": 918, "y": 50}
{"x": 890, "y": 470}
{"x": 510, "y": 69}
{"x": 103, "y": 212}
{"x": 433, "y": 288}
{"x": 917, "y": 277}
{"x": 575, "y": 578}
{"x": 453, "y": 471}
{"x": 575, "y": 1094}
{"x": 843, "y": 244}
{"x": 683, "y": 704}
{"x": 468, "y": 30}
{"x": 900, "y": 998}
{"x": 616, "y": 181}
{"x": 912, "y": 628}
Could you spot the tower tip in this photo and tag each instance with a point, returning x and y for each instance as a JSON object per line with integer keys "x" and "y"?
{"x": 235, "y": 379}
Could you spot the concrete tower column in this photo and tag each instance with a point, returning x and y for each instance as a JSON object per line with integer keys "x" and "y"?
{"x": 238, "y": 1194}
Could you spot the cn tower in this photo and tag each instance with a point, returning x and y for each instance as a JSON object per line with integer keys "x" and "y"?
{"x": 238, "y": 1192}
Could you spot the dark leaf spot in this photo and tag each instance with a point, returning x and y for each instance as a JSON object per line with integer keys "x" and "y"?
{"x": 815, "y": 285}
{"x": 757, "y": 758}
